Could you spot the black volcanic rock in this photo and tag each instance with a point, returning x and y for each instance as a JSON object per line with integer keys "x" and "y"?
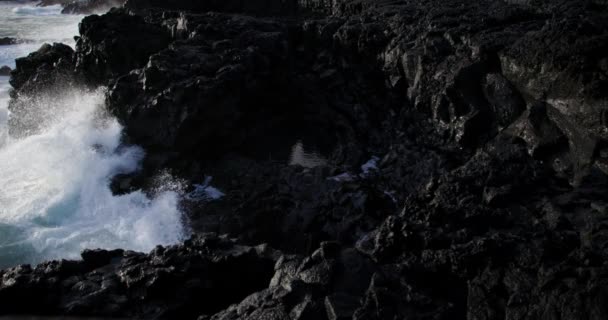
{"x": 41, "y": 68}
{"x": 270, "y": 7}
{"x": 112, "y": 45}
{"x": 567, "y": 75}
{"x": 194, "y": 74}
{"x": 125, "y": 284}
{"x": 245, "y": 66}
{"x": 41, "y": 73}
{"x": 5, "y": 70}
{"x": 405, "y": 159}
{"x": 8, "y": 41}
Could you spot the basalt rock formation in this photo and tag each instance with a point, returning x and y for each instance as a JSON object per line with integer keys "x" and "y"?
{"x": 378, "y": 159}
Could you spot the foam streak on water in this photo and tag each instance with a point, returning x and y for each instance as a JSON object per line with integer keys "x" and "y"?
{"x": 37, "y": 11}
{"x": 54, "y": 195}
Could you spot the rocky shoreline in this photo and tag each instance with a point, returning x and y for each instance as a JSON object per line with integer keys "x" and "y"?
{"x": 486, "y": 126}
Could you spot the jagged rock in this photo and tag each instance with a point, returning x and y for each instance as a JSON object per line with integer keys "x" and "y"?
{"x": 112, "y": 45}
{"x": 252, "y": 7}
{"x": 483, "y": 198}
{"x": 42, "y": 73}
{"x": 43, "y": 67}
{"x": 203, "y": 275}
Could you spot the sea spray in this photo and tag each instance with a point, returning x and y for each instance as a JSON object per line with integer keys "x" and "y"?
{"x": 38, "y": 11}
{"x": 54, "y": 195}
{"x": 4, "y": 98}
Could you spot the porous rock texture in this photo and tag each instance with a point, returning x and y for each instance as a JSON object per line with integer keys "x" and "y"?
{"x": 485, "y": 195}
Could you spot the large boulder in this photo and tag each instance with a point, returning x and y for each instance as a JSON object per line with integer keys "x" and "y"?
{"x": 41, "y": 74}
{"x": 43, "y": 67}
{"x": 5, "y": 71}
{"x": 8, "y": 41}
{"x": 115, "y": 43}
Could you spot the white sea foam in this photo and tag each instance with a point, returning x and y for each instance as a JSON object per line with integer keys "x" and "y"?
{"x": 38, "y": 11}
{"x": 54, "y": 194}
{"x": 205, "y": 192}
{"x": 4, "y": 88}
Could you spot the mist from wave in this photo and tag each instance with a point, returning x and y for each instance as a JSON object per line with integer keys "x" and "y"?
{"x": 55, "y": 198}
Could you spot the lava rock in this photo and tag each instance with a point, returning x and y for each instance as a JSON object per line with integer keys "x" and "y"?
{"x": 8, "y": 41}
{"x": 271, "y": 7}
{"x": 113, "y": 44}
{"x": 112, "y": 284}
{"x": 5, "y": 71}
{"x": 41, "y": 73}
{"x": 43, "y": 67}
{"x": 458, "y": 150}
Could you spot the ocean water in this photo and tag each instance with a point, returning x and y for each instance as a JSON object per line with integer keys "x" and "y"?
{"x": 54, "y": 195}
{"x": 35, "y": 25}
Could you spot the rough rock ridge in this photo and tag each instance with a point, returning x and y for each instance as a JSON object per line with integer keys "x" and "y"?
{"x": 379, "y": 159}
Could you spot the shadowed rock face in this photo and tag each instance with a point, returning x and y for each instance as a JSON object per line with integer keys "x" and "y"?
{"x": 108, "y": 48}
{"x": 484, "y": 197}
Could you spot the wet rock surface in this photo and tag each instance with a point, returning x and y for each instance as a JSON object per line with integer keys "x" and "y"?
{"x": 457, "y": 159}
{"x": 8, "y": 41}
{"x": 39, "y": 74}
